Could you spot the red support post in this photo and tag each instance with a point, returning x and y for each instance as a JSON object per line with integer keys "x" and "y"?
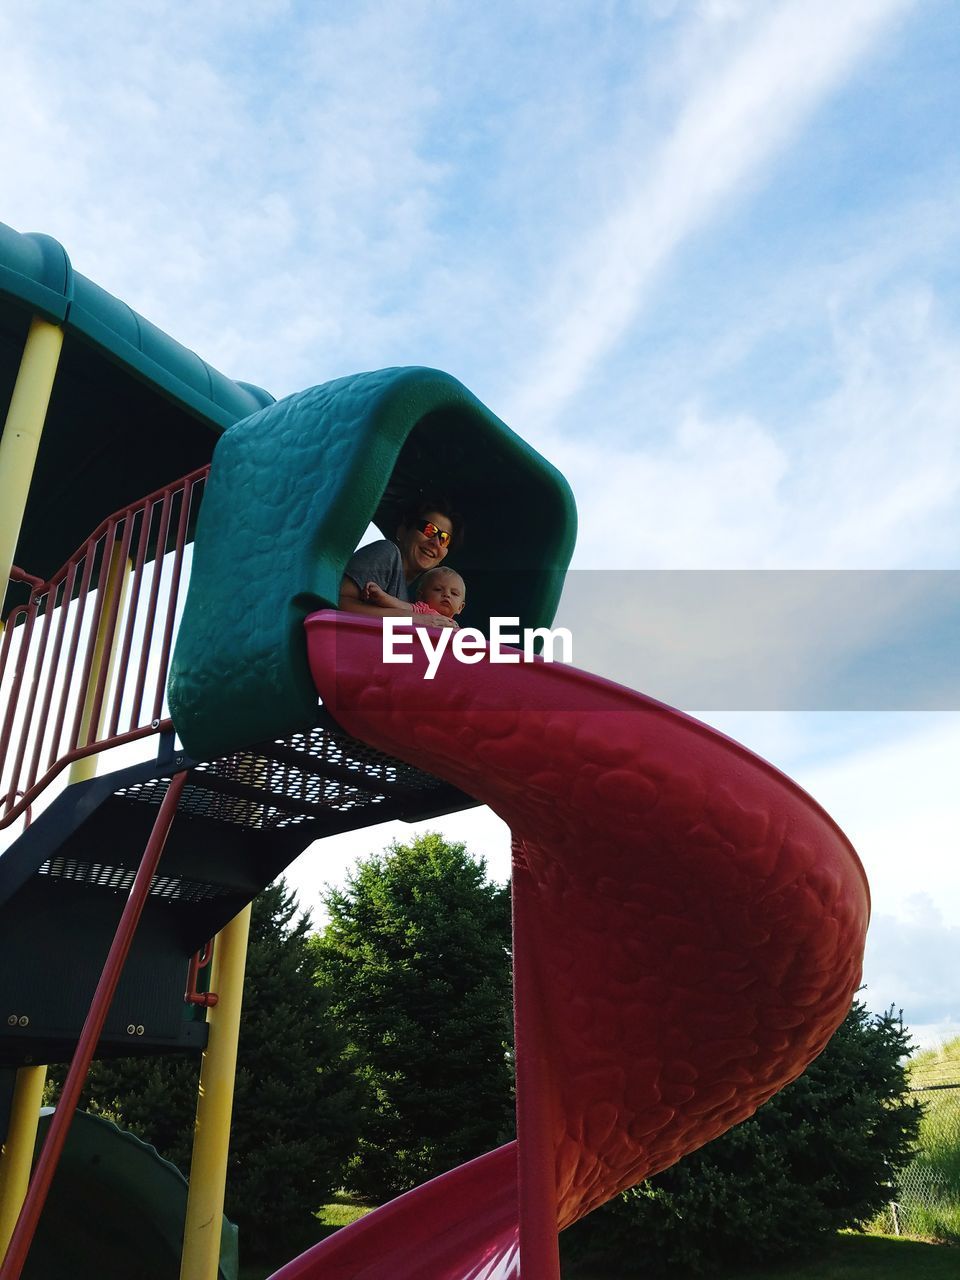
{"x": 26, "y": 1226}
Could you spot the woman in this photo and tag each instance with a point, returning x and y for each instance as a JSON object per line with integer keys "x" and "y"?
{"x": 427, "y": 532}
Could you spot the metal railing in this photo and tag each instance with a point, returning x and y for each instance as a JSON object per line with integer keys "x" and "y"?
{"x": 83, "y": 665}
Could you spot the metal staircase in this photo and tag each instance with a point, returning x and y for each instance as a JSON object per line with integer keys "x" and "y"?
{"x": 82, "y": 672}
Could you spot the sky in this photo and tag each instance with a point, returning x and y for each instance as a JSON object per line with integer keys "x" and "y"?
{"x": 703, "y": 256}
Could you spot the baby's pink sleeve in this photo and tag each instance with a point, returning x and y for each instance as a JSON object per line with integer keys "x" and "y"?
{"x": 420, "y": 606}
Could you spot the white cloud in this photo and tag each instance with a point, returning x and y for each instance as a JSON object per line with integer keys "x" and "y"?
{"x": 869, "y": 477}
{"x": 298, "y": 196}
{"x": 771, "y": 640}
{"x": 898, "y": 803}
{"x": 707, "y": 495}
{"x": 328, "y": 862}
{"x": 736, "y": 121}
{"x": 913, "y": 964}
{"x": 253, "y": 191}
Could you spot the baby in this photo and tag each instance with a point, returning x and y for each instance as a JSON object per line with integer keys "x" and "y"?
{"x": 439, "y": 590}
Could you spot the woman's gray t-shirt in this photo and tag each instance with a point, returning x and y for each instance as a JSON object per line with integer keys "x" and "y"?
{"x": 379, "y": 562}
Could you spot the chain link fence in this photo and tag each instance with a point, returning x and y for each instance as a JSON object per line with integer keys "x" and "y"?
{"x": 927, "y": 1202}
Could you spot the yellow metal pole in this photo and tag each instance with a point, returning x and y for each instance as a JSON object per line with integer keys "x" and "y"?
{"x": 19, "y": 446}
{"x": 116, "y": 579}
{"x": 21, "y": 433}
{"x": 211, "y": 1139}
{"x": 16, "y": 1158}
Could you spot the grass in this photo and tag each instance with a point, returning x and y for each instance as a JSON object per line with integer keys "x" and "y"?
{"x": 929, "y": 1195}
{"x": 857, "y": 1257}
{"x": 340, "y": 1212}
{"x": 847, "y": 1257}
{"x": 929, "y": 1208}
{"x": 940, "y": 1128}
{"x": 929, "y": 1200}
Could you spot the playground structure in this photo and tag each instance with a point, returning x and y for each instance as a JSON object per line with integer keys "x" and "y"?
{"x": 688, "y": 924}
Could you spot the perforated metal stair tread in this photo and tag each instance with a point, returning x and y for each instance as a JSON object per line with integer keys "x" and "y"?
{"x": 241, "y": 821}
{"x": 308, "y": 777}
{"x": 120, "y": 878}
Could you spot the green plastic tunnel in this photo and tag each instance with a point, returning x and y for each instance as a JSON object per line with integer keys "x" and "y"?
{"x": 116, "y": 1211}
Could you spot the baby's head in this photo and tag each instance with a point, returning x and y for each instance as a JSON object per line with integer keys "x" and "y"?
{"x": 443, "y": 590}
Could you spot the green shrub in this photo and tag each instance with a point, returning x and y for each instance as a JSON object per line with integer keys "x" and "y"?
{"x": 294, "y": 1102}
{"x": 821, "y": 1155}
{"x": 417, "y": 954}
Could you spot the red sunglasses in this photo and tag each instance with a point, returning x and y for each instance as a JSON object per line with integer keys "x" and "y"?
{"x": 432, "y": 531}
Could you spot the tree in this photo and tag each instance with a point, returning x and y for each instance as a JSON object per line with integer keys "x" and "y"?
{"x": 294, "y": 1102}
{"x": 820, "y": 1155}
{"x": 417, "y": 955}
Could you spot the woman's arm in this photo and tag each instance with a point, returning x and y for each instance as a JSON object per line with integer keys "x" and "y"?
{"x": 374, "y": 602}
{"x": 353, "y": 600}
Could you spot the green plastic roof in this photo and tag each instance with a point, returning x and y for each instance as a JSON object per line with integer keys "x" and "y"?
{"x": 131, "y": 408}
{"x": 291, "y": 492}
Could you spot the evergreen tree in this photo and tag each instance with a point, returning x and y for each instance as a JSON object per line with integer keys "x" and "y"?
{"x": 820, "y": 1155}
{"x": 417, "y": 956}
{"x": 294, "y": 1102}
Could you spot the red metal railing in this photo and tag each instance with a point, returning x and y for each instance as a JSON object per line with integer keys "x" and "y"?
{"x": 83, "y": 665}
{"x": 11, "y": 1267}
{"x": 193, "y": 995}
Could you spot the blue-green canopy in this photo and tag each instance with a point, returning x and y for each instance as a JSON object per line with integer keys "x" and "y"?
{"x": 131, "y": 408}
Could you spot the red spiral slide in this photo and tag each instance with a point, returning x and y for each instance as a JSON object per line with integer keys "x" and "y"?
{"x": 688, "y": 933}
